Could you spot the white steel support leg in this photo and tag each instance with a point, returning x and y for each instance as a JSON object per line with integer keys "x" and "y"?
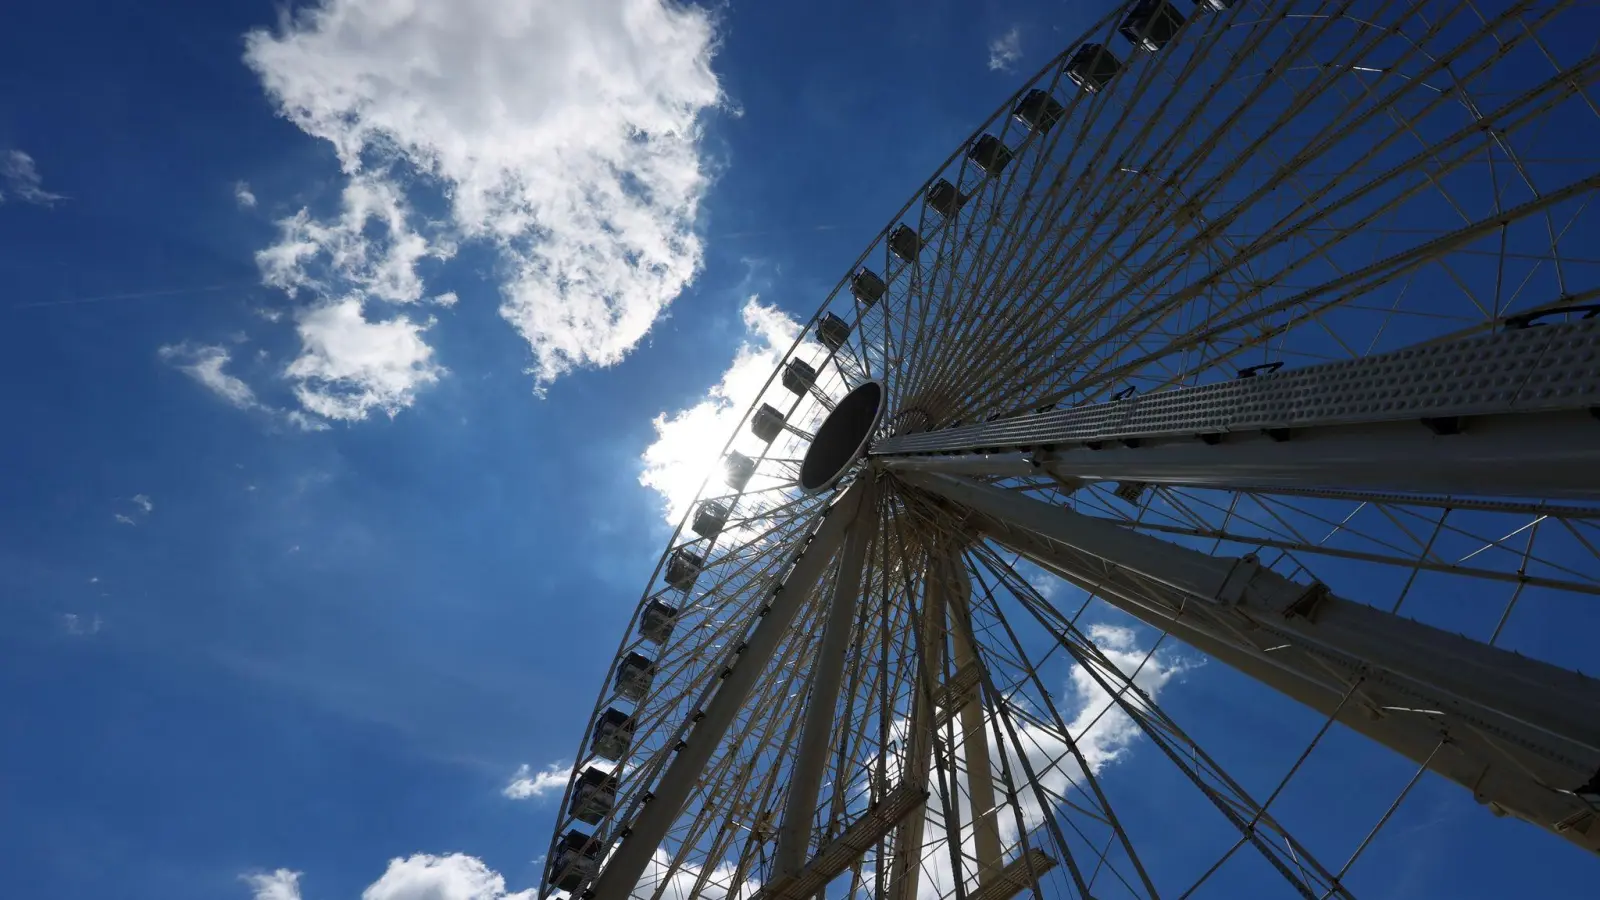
{"x": 974, "y": 730}
{"x": 827, "y": 674}
{"x": 1528, "y": 732}
{"x": 906, "y": 854}
{"x": 633, "y": 853}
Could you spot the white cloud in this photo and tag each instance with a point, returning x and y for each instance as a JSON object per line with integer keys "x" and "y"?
{"x": 350, "y": 365}
{"x": 1102, "y": 732}
{"x": 527, "y": 784}
{"x": 205, "y": 364}
{"x": 688, "y": 441}
{"x": 453, "y": 877}
{"x": 242, "y": 194}
{"x": 123, "y": 519}
{"x": 78, "y": 626}
{"x": 564, "y": 134}
{"x": 19, "y": 177}
{"x": 369, "y": 251}
{"x": 279, "y": 885}
{"x": 143, "y": 502}
{"x": 1005, "y": 50}
{"x": 681, "y": 883}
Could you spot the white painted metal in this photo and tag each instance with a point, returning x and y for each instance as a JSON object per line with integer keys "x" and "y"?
{"x": 1181, "y": 222}
{"x": 1535, "y": 726}
{"x": 986, "y": 845}
{"x": 906, "y": 850}
{"x": 622, "y": 871}
{"x": 1555, "y": 456}
{"x": 827, "y": 674}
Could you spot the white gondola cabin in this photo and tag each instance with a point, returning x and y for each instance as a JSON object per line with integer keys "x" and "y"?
{"x": 593, "y": 796}
{"x": 945, "y": 199}
{"x": 867, "y": 287}
{"x": 1093, "y": 67}
{"x": 657, "y": 621}
{"x": 1038, "y": 110}
{"x": 905, "y": 243}
{"x": 766, "y": 423}
{"x": 737, "y": 470}
{"x": 612, "y": 735}
{"x": 709, "y": 519}
{"x": 634, "y": 675}
{"x": 1152, "y": 25}
{"x": 990, "y": 155}
{"x": 684, "y": 567}
{"x": 799, "y": 376}
{"x": 574, "y": 860}
{"x": 832, "y": 331}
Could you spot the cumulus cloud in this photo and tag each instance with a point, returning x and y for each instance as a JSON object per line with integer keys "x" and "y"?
{"x": 350, "y": 365}
{"x": 1005, "y": 50}
{"x": 564, "y": 135}
{"x": 242, "y": 195}
{"x": 282, "y": 884}
{"x": 19, "y": 179}
{"x": 526, "y": 784}
{"x": 452, "y": 877}
{"x": 688, "y": 441}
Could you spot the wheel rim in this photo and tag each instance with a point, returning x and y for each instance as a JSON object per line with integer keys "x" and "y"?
{"x": 1277, "y": 186}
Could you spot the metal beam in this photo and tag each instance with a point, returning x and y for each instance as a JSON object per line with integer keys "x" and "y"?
{"x": 1553, "y": 456}
{"x": 831, "y": 861}
{"x": 1509, "y": 414}
{"x": 906, "y": 855}
{"x": 634, "y": 851}
{"x": 974, "y": 730}
{"x": 1524, "y": 735}
{"x": 827, "y": 674}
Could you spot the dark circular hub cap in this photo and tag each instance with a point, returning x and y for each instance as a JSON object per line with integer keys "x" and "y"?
{"x": 842, "y": 438}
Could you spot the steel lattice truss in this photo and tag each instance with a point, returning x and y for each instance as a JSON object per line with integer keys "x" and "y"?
{"x": 1266, "y": 324}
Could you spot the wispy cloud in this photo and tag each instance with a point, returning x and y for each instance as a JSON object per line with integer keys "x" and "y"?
{"x": 242, "y": 195}
{"x": 206, "y": 364}
{"x": 143, "y": 502}
{"x": 564, "y": 135}
{"x": 526, "y": 784}
{"x": 82, "y": 626}
{"x": 282, "y": 884}
{"x": 19, "y": 179}
{"x": 1005, "y": 50}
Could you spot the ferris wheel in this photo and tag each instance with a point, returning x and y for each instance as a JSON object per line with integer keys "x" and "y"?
{"x": 1268, "y": 325}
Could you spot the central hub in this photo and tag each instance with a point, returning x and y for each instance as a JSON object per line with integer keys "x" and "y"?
{"x": 842, "y": 438}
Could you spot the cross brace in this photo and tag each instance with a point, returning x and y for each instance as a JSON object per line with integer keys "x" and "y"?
{"x": 1523, "y": 735}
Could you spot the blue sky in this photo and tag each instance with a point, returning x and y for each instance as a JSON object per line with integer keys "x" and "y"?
{"x": 335, "y": 344}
